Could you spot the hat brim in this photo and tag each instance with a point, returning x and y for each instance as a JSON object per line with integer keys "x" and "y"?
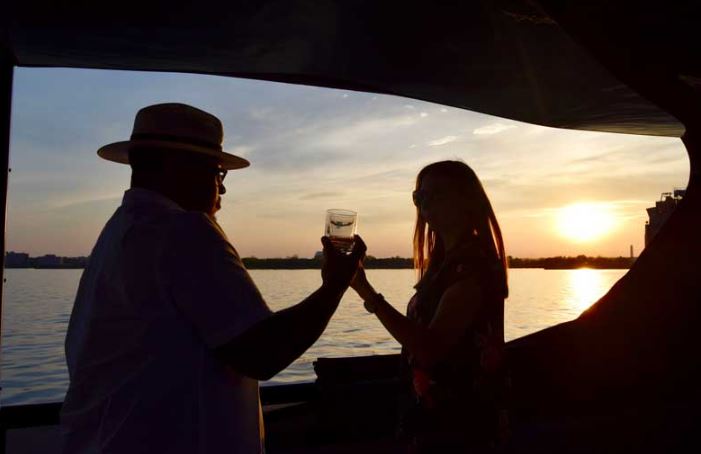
{"x": 119, "y": 152}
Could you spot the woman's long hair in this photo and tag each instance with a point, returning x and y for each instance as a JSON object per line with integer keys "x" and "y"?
{"x": 429, "y": 251}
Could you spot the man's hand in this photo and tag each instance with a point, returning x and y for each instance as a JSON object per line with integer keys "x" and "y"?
{"x": 339, "y": 268}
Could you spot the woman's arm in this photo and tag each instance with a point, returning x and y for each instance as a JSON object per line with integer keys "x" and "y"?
{"x": 428, "y": 345}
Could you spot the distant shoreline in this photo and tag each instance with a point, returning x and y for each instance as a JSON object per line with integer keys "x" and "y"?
{"x": 570, "y": 263}
{"x": 296, "y": 263}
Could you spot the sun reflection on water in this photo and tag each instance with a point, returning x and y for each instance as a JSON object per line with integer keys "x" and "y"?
{"x": 586, "y": 287}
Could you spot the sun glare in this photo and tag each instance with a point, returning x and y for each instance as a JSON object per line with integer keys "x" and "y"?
{"x": 584, "y": 222}
{"x": 586, "y": 287}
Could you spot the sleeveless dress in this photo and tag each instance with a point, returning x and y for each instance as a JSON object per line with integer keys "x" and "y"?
{"x": 459, "y": 404}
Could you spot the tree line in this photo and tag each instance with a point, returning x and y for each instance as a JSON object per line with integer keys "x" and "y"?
{"x": 22, "y": 260}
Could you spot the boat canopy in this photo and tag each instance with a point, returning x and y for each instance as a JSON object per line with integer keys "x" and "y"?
{"x": 507, "y": 58}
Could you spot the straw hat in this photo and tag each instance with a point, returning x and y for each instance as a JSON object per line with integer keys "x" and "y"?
{"x": 177, "y": 127}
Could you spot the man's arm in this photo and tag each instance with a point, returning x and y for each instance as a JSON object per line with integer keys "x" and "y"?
{"x": 274, "y": 343}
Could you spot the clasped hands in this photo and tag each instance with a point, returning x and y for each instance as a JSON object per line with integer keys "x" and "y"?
{"x": 341, "y": 270}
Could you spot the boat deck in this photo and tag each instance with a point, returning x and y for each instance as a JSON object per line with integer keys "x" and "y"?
{"x": 47, "y": 440}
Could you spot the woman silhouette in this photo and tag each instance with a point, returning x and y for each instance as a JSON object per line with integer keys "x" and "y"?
{"x": 453, "y": 334}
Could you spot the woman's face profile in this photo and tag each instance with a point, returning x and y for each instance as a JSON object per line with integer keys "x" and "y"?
{"x": 438, "y": 202}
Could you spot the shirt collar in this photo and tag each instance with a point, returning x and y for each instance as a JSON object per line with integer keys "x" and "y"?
{"x": 141, "y": 196}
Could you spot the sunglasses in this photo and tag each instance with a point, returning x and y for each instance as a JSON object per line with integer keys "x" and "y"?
{"x": 222, "y": 174}
{"x": 422, "y": 197}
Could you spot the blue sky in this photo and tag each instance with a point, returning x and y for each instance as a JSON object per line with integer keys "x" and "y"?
{"x": 312, "y": 149}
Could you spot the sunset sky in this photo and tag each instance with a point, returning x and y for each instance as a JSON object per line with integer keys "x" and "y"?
{"x": 312, "y": 149}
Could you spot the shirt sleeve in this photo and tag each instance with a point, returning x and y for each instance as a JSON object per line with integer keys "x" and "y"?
{"x": 208, "y": 281}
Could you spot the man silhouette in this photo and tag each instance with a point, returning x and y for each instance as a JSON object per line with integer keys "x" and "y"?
{"x": 168, "y": 334}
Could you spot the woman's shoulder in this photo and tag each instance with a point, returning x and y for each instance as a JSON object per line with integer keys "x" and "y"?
{"x": 465, "y": 289}
{"x": 472, "y": 264}
{"x": 466, "y": 260}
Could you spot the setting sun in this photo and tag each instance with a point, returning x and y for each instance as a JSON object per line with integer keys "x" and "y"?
{"x": 585, "y": 221}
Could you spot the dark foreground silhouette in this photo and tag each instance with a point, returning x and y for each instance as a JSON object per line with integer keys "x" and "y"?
{"x": 621, "y": 378}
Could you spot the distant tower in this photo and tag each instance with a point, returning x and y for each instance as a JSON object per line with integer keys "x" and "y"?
{"x": 661, "y": 212}
{"x": 631, "y": 252}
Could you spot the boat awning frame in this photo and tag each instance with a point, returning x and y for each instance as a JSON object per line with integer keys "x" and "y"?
{"x": 506, "y": 58}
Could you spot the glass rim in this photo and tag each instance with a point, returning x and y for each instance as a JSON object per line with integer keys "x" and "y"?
{"x": 341, "y": 212}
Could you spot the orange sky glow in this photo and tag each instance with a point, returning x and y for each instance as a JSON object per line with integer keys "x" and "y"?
{"x": 555, "y": 192}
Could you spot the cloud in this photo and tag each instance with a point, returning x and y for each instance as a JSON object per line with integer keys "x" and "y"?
{"x": 261, "y": 113}
{"x": 442, "y": 141}
{"x": 86, "y": 203}
{"x": 362, "y": 129}
{"x": 492, "y": 128}
{"x": 322, "y": 195}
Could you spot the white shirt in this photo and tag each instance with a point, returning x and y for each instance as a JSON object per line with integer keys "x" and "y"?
{"x": 162, "y": 288}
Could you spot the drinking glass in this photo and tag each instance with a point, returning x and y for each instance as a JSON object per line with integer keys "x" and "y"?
{"x": 341, "y": 225}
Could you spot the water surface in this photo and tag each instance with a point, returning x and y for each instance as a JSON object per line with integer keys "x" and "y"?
{"x": 37, "y": 305}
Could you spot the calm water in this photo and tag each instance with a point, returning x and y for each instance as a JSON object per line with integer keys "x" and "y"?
{"x": 38, "y": 304}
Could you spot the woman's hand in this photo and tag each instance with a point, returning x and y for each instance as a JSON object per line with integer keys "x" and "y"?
{"x": 361, "y": 285}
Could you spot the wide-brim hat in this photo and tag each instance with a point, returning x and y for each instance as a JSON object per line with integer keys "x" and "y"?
{"x": 174, "y": 126}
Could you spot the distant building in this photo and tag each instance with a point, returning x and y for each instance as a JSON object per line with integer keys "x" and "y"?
{"x": 662, "y": 210}
{"x": 48, "y": 261}
{"x": 318, "y": 255}
{"x": 16, "y": 260}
